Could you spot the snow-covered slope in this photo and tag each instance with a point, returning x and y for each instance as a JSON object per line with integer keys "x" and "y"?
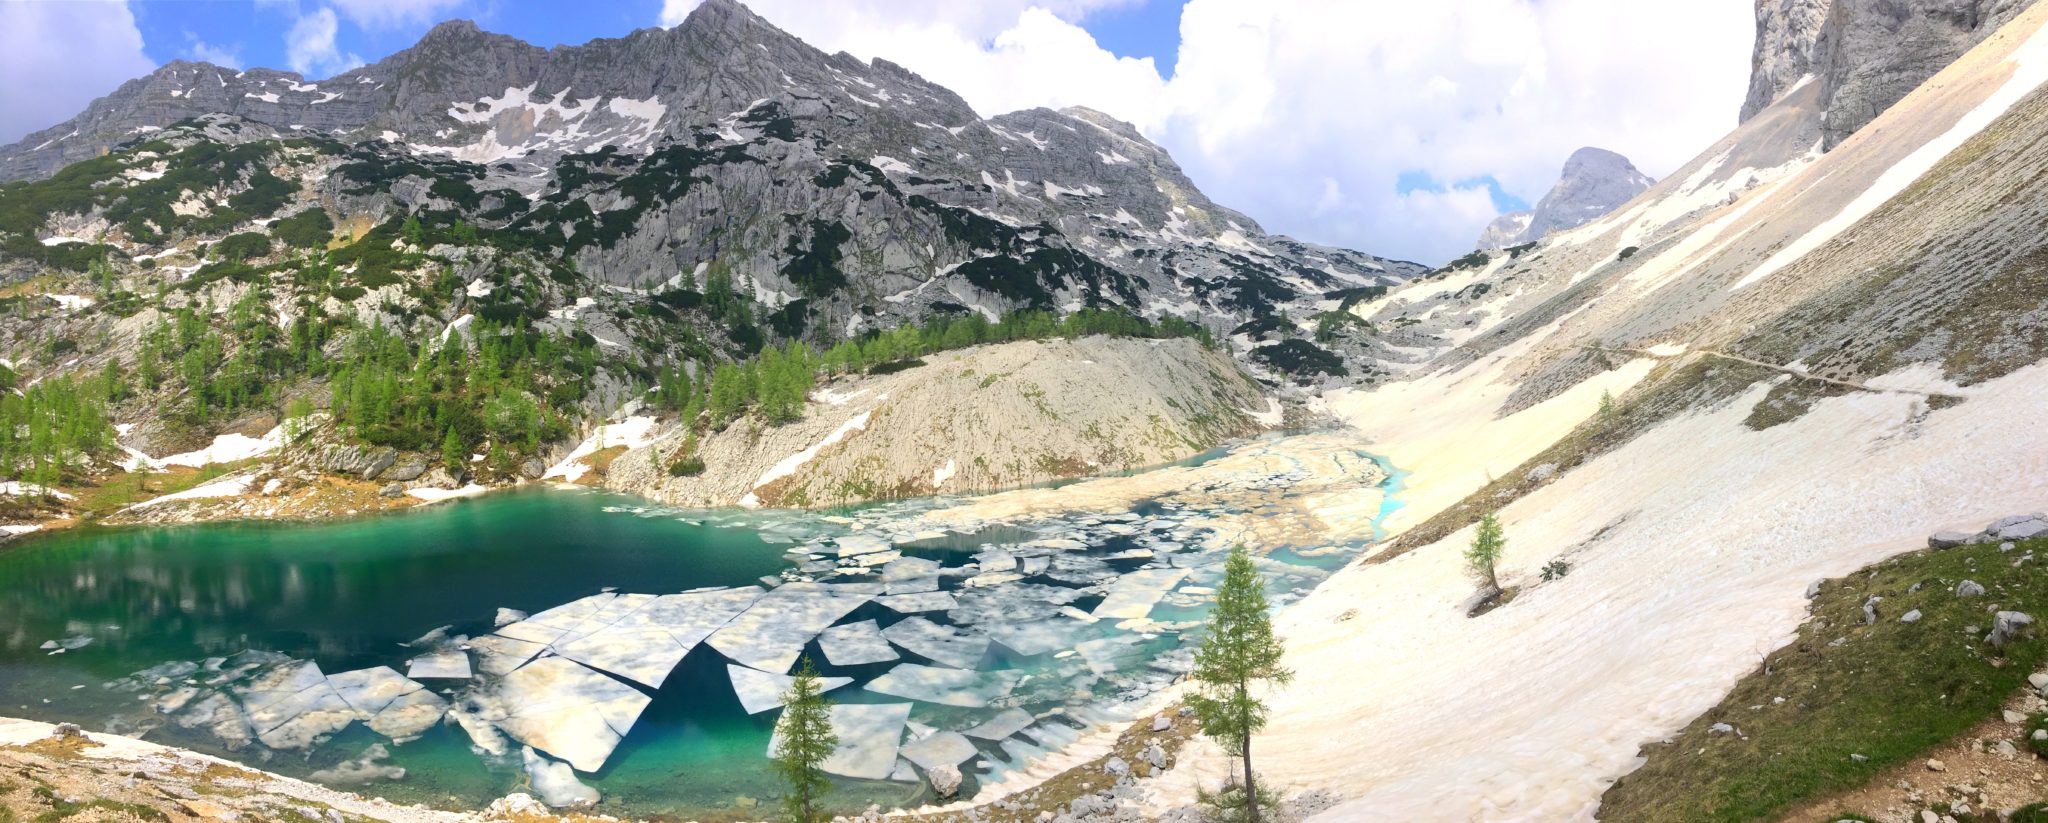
{"x": 1819, "y": 359}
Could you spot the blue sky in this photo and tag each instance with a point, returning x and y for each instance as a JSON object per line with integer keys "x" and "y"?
{"x": 249, "y": 33}
{"x": 1399, "y": 129}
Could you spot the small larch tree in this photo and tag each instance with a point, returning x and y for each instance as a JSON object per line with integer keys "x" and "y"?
{"x": 1487, "y": 544}
{"x": 804, "y": 738}
{"x": 1239, "y": 653}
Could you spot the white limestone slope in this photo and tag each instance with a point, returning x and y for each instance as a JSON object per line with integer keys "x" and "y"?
{"x": 1692, "y": 544}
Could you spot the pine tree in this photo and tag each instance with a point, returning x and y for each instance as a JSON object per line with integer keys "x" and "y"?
{"x": 1239, "y": 651}
{"x": 804, "y": 738}
{"x": 452, "y": 453}
{"x": 1487, "y": 545}
{"x": 1607, "y": 411}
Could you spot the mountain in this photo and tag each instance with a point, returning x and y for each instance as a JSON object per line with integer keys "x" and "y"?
{"x": 1594, "y": 182}
{"x": 1774, "y": 367}
{"x": 1863, "y": 54}
{"x": 760, "y": 146}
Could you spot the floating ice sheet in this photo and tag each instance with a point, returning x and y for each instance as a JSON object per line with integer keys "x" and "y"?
{"x": 760, "y": 691}
{"x": 1134, "y": 594}
{"x": 950, "y": 687}
{"x": 920, "y": 602}
{"x": 1009, "y": 722}
{"x": 773, "y": 631}
{"x": 939, "y": 749}
{"x": 389, "y": 703}
{"x": 869, "y": 734}
{"x": 568, "y": 710}
{"x": 939, "y": 643}
{"x": 452, "y": 664}
{"x": 1035, "y": 637}
{"x": 856, "y": 644}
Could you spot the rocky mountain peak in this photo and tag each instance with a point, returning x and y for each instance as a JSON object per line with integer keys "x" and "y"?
{"x": 1594, "y": 182}
{"x": 1865, "y": 54}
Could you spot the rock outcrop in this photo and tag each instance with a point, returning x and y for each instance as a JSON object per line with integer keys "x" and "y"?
{"x": 1594, "y": 182}
{"x": 1864, "y": 54}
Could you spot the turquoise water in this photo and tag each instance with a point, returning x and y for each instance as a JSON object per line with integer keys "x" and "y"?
{"x": 347, "y": 594}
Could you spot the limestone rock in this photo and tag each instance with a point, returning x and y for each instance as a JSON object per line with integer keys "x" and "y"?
{"x": 945, "y": 780}
{"x": 2007, "y": 625}
{"x": 1969, "y": 588}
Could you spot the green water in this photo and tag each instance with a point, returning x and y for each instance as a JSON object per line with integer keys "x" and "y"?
{"x": 347, "y": 593}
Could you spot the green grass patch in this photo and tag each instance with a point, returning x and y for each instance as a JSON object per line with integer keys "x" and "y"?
{"x": 1886, "y": 691}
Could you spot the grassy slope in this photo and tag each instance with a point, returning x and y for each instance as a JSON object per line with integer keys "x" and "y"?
{"x": 1887, "y": 692}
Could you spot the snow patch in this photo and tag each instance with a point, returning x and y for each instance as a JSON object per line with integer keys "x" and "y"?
{"x": 790, "y": 464}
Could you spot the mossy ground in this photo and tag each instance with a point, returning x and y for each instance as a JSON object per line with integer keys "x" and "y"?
{"x": 1884, "y": 692}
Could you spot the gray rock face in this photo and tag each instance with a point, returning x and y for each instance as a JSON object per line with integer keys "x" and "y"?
{"x": 1865, "y": 54}
{"x": 1786, "y": 31}
{"x": 1595, "y": 181}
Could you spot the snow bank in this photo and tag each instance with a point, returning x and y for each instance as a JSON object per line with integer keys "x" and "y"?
{"x": 225, "y": 487}
{"x": 1691, "y": 549}
{"x": 632, "y": 432}
{"x": 790, "y": 464}
{"x": 433, "y": 495}
{"x": 226, "y": 448}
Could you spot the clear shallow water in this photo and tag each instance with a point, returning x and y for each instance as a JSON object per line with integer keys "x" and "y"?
{"x": 347, "y": 594}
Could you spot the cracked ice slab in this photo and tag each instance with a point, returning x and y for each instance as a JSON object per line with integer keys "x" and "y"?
{"x": 869, "y": 734}
{"x": 1134, "y": 594}
{"x": 388, "y": 702}
{"x": 291, "y": 706}
{"x": 919, "y": 602}
{"x": 939, "y": 749}
{"x": 1034, "y": 637}
{"x": 1009, "y": 722}
{"x": 452, "y": 664}
{"x": 856, "y": 644}
{"x": 941, "y": 644}
{"x": 949, "y": 687}
{"x": 645, "y": 643}
{"x": 568, "y": 710}
{"x": 773, "y": 631}
{"x": 760, "y": 691}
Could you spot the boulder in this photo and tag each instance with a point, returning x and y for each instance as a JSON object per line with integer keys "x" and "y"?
{"x": 533, "y": 468}
{"x": 1947, "y": 540}
{"x": 945, "y": 780}
{"x": 2019, "y": 527}
{"x": 1155, "y": 755}
{"x": 1969, "y": 588}
{"x": 1162, "y": 723}
{"x": 1910, "y": 617}
{"x": 392, "y": 490}
{"x": 363, "y": 461}
{"x": 404, "y": 467}
{"x": 2007, "y": 625}
{"x": 2039, "y": 680}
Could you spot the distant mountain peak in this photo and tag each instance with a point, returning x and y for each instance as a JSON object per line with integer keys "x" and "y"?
{"x": 1594, "y": 182}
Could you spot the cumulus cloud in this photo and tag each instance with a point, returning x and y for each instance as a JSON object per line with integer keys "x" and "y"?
{"x": 1304, "y": 114}
{"x": 56, "y": 57}
{"x": 309, "y": 46}
{"x": 223, "y": 56}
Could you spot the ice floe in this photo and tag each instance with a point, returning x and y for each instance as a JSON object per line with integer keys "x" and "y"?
{"x": 760, "y": 691}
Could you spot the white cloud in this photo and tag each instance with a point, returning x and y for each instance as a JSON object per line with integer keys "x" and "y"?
{"x": 388, "y": 14}
{"x": 56, "y": 57}
{"x": 1303, "y": 113}
{"x": 309, "y": 46}
{"x": 224, "y": 56}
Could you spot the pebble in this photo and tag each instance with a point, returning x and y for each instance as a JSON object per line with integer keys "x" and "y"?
{"x": 1934, "y": 765}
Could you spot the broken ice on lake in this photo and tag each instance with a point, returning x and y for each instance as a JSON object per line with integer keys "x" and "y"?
{"x": 949, "y": 687}
{"x": 856, "y": 644}
{"x": 760, "y": 691}
{"x": 868, "y": 733}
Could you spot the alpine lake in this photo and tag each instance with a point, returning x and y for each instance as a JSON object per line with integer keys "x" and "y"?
{"x": 479, "y": 645}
